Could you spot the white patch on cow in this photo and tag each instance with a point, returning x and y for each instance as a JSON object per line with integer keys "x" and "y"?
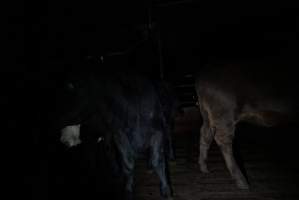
{"x": 70, "y": 135}
{"x": 100, "y": 139}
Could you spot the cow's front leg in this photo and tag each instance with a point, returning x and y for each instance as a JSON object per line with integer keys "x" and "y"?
{"x": 224, "y": 137}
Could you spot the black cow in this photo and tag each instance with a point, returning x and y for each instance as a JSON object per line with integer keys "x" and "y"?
{"x": 230, "y": 93}
{"x": 129, "y": 115}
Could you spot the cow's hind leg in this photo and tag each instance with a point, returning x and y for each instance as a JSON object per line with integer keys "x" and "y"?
{"x": 224, "y": 137}
{"x": 159, "y": 164}
{"x": 206, "y": 138}
{"x": 128, "y": 162}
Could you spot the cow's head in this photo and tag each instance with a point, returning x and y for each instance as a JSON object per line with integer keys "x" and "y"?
{"x": 68, "y": 114}
{"x": 70, "y": 135}
{"x": 74, "y": 109}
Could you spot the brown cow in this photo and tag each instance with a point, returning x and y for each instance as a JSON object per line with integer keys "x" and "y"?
{"x": 230, "y": 93}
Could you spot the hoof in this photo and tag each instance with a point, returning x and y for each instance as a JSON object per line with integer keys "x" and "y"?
{"x": 242, "y": 185}
{"x": 166, "y": 193}
{"x": 203, "y": 168}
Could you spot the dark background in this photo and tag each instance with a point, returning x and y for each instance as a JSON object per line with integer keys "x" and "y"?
{"x": 48, "y": 39}
{"x": 58, "y": 34}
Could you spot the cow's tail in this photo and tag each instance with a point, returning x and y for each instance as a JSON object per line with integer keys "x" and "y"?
{"x": 167, "y": 139}
{"x": 167, "y": 124}
{"x": 169, "y": 130}
{"x": 170, "y": 152}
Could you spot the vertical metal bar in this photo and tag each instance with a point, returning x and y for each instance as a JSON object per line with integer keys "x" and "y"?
{"x": 149, "y": 13}
{"x": 156, "y": 38}
{"x": 160, "y": 55}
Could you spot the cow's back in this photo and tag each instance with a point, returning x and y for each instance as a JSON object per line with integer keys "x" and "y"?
{"x": 128, "y": 103}
{"x": 252, "y": 91}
